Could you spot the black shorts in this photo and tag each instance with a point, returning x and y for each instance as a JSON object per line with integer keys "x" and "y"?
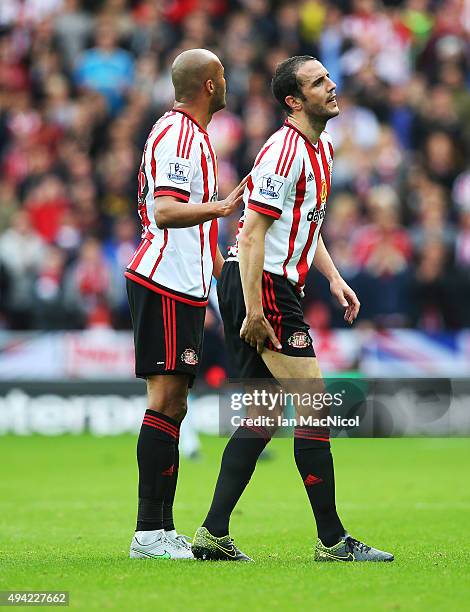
{"x": 282, "y": 307}
{"x": 168, "y": 334}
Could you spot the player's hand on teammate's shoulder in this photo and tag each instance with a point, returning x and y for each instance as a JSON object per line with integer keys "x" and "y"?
{"x": 256, "y": 329}
{"x": 347, "y": 298}
{"x": 233, "y": 200}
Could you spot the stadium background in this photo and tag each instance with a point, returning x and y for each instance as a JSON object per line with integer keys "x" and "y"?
{"x": 81, "y": 83}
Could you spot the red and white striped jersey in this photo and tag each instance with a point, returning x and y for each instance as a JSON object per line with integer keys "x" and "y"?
{"x": 290, "y": 181}
{"x": 178, "y": 160}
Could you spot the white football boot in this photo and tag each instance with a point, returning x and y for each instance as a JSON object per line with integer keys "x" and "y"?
{"x": 156, "y": 545}
{"x": 179, "y": 539}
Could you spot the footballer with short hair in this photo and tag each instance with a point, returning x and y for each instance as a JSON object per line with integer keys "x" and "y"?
{"x": 168, "y": 284}
{"x": 260, "y": 293}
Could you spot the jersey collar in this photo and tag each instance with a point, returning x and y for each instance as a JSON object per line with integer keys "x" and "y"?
{"x": 309, "y": 143}
{"x": 183, "y": 112}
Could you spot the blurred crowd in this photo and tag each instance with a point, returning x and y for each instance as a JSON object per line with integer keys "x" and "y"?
{"x": 82, "y": 82}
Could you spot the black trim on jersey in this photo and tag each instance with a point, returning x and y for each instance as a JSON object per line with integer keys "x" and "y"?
{"x": 183, "y": 112}
{"x": 267, "y": 206}
{"x": 169, "y": 190}
{"x": 167, "y": 290}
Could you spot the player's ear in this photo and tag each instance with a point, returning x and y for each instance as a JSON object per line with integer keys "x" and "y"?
{"x": 209, "y": 85}
{"x": 295, "y": 104}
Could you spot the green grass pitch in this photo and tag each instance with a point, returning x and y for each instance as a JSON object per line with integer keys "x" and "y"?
{"x": 67, "y": 509}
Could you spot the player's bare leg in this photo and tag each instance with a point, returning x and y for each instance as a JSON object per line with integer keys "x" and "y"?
{"x": 158, "y": 461}
{"x": 283, "y": 366}
{"x": 168, "y": 394}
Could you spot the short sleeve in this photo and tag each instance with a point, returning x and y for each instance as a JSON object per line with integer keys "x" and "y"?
{"x": 267, "y": 188}
{"x": 173, "y": 172}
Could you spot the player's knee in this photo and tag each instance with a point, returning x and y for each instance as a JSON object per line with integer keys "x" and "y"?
{"x": 173, "y": 409}
{"x": 172, "y": 406}
{"x": 178, "y": 409}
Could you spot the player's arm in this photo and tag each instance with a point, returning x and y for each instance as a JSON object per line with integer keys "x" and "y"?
{"x": 256, "y": 328}
{"x": 265, "y": 196}
{"x": 172, "y": 212}
{"x": 218, "y": 263}
{"x": 338, "y": 286}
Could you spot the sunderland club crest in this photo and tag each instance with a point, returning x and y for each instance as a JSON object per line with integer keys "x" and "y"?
{"x": 189, "y": 356}
{"x": 300, "y": 340}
